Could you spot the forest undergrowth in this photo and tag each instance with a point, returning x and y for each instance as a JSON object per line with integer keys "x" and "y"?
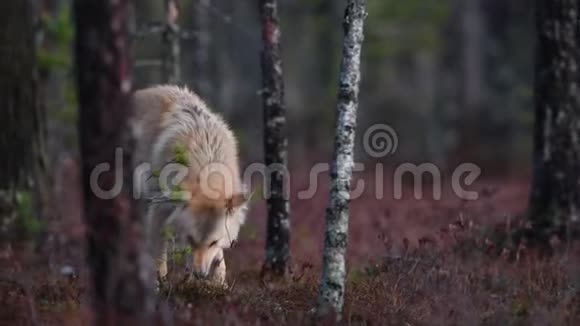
{"x": 410, "y": 263}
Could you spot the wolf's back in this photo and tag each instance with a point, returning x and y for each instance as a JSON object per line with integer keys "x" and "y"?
{"x": 168, "y": 117}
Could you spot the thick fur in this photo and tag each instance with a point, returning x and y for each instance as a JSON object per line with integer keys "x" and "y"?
{"x": 213, "y": 207}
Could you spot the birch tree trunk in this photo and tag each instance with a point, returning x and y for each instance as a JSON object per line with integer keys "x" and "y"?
{"x": 555, "y": 195}
{"x": 275, "y": 142}
{"x": 122, "y": 275}
{"x": 20, "y": 115}
{"x": 171, "y": 44}
{"x": 332, "y": 285}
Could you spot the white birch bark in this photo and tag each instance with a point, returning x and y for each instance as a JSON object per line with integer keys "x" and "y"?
{"x": 332, "y": 285}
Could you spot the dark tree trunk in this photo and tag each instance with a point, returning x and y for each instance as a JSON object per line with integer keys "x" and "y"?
{"x": 121, "y": 269}
{"x": 275, "y": 142}
{"x": 555, "y": 196}
{"x": 20, "y": 115}
{"x": 171, "y": 44}
{"x": 332, "y": 284}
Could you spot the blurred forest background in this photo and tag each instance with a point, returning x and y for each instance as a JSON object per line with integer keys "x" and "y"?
{"x": 452, "y": 77}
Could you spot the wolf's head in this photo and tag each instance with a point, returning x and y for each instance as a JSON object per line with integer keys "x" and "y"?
{"x": 210, "y": 226}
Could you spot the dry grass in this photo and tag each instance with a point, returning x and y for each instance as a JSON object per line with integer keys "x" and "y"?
{"x": 426, "y": 286}
{"x": 410, "y": 263}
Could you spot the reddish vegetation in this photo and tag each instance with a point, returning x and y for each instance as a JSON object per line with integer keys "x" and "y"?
{"x": 415, "y": 262}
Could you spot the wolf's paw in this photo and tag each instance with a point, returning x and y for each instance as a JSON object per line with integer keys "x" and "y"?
{"x": 220, "y": 284}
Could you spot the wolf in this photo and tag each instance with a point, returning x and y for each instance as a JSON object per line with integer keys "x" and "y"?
{"x": 193, "y": 185}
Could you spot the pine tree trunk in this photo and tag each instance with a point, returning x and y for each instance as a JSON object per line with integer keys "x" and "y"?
{"x": 332, "y": 285}
{"x": 555, "y": 195}
{"x": 275, "y": 142}
{"x": 121, "y": 270}
{"x": 20, "y": 116}
{"x": 171, "y": 44}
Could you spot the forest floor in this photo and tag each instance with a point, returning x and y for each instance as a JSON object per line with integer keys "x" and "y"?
{"x": 411, "y": 262}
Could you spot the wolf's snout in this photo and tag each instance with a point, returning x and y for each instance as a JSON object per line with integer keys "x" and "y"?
{"x": 200, "y": 275}
{"x": 204, "y": 273}
{"x": 201, "y": 270}
{"x": 208, "y": 264}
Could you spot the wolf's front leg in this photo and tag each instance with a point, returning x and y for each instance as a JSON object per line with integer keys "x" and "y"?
{"x": 218, "y": 272}
{"x": 161, "y": 261}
